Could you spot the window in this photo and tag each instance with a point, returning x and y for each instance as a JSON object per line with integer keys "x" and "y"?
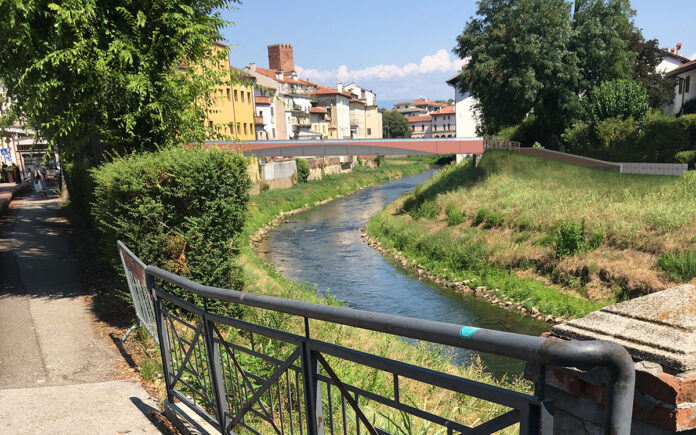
{"x": 231, "y": 128}
{"x": 242, "y": 96}
{"x": 210, "y": 124}
{"x": 235, "y": 95}
{"x": 228, "y": 94}
{"x": 422, "y": 127}
{"x": 271, "y": 112}
{"x": 413, "y": 128}
{"x": 245, "y": 127}
{"x": 249, "y": 96}
{"x": 369, "y": 131}
{"x": 273, "y": 131}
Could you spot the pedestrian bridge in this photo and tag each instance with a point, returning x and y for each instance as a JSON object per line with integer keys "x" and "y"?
{"x": 355, "y": 147}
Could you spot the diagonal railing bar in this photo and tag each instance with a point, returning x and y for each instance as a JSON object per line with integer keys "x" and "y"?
{"x": 344, "y": 392}
{"x": 263, "y": 388}
{"x": 187, "y": 356}
{"x": 285, "y": 366}
{"x": 498, "y": 423}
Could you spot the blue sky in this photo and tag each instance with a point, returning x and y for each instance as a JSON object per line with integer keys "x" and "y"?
{"x": 399, "y": 49}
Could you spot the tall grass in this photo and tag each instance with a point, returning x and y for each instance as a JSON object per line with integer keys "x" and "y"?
{"x": 680, "y": 267}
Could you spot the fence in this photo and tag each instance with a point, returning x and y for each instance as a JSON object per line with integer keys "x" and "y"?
{"x": 243, "y": 376}
{"x": 500, "y": 143}
{"x": 142, "y": 299}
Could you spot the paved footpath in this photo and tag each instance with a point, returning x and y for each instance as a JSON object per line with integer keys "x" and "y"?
{"x": 56, "y": 375}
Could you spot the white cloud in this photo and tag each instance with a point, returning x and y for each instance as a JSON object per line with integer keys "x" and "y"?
{"x": 438, "y": 62}
{"x": 693, "y": 56}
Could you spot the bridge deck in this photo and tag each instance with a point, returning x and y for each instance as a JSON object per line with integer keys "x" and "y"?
{"x": 348, "y": 147}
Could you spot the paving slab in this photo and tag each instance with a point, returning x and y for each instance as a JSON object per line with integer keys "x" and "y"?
{"x": 111, "y": 407}
{"x": 660, "y": 327}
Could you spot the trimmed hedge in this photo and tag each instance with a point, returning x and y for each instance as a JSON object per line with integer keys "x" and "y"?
{"x": 181, "y": 209}
{"x": 80, "y": 186}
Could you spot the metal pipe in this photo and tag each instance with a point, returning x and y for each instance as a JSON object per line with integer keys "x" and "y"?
{"x": 580, "y": 354}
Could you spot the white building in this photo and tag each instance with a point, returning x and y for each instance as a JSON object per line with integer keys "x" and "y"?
{"x": 444, "y": 122}
{"x": 466, "y": 119}
{"x": 418, "y": 107}
{"x": 421, "y": 126}
{"x": 336, "y": 102}
{"x": 684, "y": 91}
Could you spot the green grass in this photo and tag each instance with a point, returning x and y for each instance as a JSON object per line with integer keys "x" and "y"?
{"x": 459, "y": 256}
{"x": 680, "y": 267}
{"x": 527, "y": 212}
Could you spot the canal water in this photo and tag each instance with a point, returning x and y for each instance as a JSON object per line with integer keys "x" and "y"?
{"x": 322, "y": 247}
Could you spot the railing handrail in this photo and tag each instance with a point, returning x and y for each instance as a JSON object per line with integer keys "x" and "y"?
{"x": 580, "y": 354}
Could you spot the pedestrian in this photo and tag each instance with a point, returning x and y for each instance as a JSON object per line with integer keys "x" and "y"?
{"x": 36, "y": 179}
{"x": 43, "y": 180}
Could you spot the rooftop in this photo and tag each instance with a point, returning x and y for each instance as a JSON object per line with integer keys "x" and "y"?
{"x": 422, "y": 118}
{"x": 263, "y": 100}
{"x": 682, "y": 69}
{"x": 444, "y": 111}
{"x": 286, "y": 78}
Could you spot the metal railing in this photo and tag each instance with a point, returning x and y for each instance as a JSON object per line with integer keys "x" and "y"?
{"x": 500, "y": 143}
{"x": 246, "y": 377}
{"x": 140, "y": 294}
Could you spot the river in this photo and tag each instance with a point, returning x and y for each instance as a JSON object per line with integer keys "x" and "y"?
{"x": 322, "y": 247}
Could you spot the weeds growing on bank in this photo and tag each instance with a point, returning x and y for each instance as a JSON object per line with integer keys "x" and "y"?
{"x": 559, "y": 220}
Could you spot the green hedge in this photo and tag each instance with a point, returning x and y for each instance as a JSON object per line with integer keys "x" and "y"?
{"x": 80, "y": 186}
{"x": 181, "y": 209}
{"x": 658, "y": 138}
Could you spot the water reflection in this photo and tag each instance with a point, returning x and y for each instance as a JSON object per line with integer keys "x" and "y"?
{"x": 322, "y": 247}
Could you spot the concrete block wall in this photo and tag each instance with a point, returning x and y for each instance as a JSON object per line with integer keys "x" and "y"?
{"x": 654, "y": 168}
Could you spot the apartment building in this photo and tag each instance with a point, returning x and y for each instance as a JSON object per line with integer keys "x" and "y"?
{"x": 421, "y": 126}
{"x": 336, "y": 102}
{"x": 444, "y": 123}
{"x": 231, "y": 110}
{"x": 418, "y": 107}
{"x": 364, "y": 113}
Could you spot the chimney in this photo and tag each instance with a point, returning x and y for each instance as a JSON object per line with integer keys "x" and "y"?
{"x": 280, "y": 57}
{"x": 671, "y": 50}
{"x": 679, "y": 45}
{"x": 294, "y": 75}
{"x": 279, "y": 75}
{"x": 252, "y": 66}
{"x": 339, "y": 86}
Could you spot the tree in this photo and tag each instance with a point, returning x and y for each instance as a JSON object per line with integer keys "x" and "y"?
{"x": 519, "y": 62}
{"x": 98, "y": 75}
{"x": 617, "y": 99}
{"x": 601, "y": 33}
{"x": 394, "y": 124}
{"x": 660, "y": 88}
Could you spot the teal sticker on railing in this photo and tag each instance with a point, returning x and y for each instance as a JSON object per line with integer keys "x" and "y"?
{"x": 468, "y": 331}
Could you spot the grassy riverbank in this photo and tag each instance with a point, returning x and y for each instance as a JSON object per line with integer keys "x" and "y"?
{"x": 261, "y": 277}
{"x": 548, "y": 236}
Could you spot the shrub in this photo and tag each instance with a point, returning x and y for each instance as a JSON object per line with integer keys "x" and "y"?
{"x": 688, "y": 157}
{"x": 181, "y": 209}
{"x": 617, "y": 99}
{"x": 689, "y": 107}
{"x": 360, "y": 162}
{"x": 596, "y": 239}
{"x": 455, "y": 216}
{"x": 427, "y": 209}
{"x": 481, "y": 214}
{"x": 494, "y": 219}
{"x": 679, "y": 267}
{"x": 302, "y": 170}
{"x": 569, "y": 238}
{"x": 379, "y": 160}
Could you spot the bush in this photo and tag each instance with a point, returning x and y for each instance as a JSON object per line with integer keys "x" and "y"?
{"x": 688, "y": 157}
{"x": 181, "y": 209}
{"x": 80, "y": 184}
{"x": 427, "y": 209}
{"x": 494, "y": 219}
{"x": 569, "y": 238}
{"x": 481, "y": 214}
{"x": 455, "y": 216}
{"x": 679, "y": 267}
{"x": 617, "y": 99}
{"x": 689, "y": 107}
{"x": 302, "y": 170}
{"x": 527, "y": 132}
{"x": 360, "y": 162}
{"x": 379, "y": 160}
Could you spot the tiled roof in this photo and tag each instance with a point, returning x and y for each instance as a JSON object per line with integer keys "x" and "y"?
{"x": 318, "y": 110}
{"x": 682, "y": 69}
{"x": 324, "y": 90}
{"x": 263, "y": 100}
{"x": 422, "y": 102}
{"x": 286, "y": 78}
{"x": 444, "y": 111}
{"x": 422, "y": 118}
{"x": 679, "y": 57}
{"x": 356, "y": 100}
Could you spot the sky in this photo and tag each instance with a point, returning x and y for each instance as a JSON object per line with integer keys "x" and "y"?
{"x": 399, "y": 49}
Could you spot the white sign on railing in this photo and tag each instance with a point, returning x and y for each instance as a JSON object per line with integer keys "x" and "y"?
{"x": 142, "y": 299}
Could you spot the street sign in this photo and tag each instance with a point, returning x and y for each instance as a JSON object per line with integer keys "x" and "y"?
{"x": 4, "y": 152}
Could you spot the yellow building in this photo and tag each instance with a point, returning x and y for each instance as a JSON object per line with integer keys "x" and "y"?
{"x": 232, "y": 110}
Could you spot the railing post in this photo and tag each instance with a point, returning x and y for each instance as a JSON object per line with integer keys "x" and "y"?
{"x": 163, "y": 338}
{"x": 312, "y": 392}
{"x": 215, "y": 369}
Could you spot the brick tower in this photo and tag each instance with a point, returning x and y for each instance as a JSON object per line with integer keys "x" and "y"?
{"x": 280, "y": 57}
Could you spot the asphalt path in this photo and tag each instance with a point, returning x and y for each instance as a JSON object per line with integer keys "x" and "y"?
{"x": 56, "y": 374}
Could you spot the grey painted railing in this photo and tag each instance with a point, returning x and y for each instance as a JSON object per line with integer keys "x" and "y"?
{"x": 222, "y": 368}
